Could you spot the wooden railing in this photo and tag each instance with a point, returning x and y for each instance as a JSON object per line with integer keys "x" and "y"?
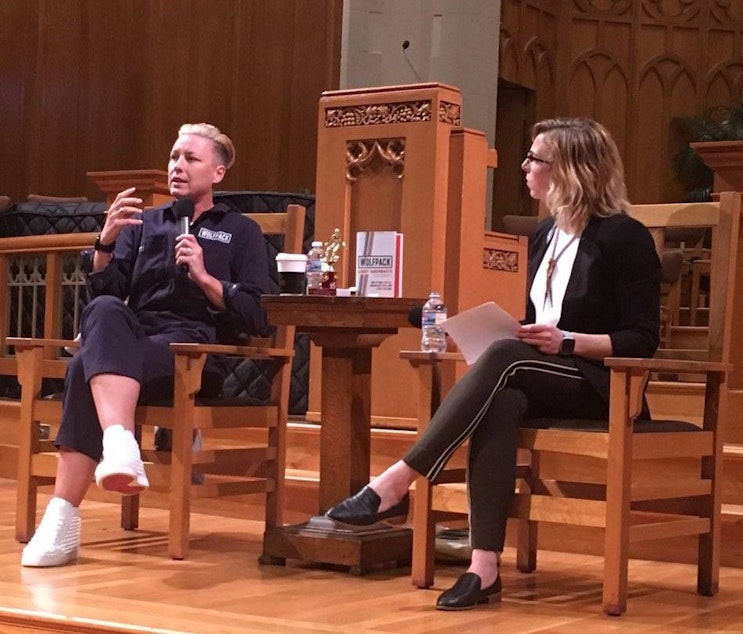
{"x": 36, "y": 271}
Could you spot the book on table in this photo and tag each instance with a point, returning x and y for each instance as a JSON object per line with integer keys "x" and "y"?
{"x": 379, "y": 263}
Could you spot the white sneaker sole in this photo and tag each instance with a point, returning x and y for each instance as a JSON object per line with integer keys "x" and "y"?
{"x": 47, "y": 560}
{"x": 120, "y": 479}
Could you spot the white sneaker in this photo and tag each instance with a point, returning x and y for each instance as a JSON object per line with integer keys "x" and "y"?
{"x": 57, "y": 538}
{"x": 121, "y": 469}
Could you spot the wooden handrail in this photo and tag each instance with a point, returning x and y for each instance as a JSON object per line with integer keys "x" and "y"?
{"x": 47, "y": 243}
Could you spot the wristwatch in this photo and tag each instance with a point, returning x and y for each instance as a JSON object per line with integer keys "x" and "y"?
{"x": 105, "y": 248}
{"x": 567, "y": 345}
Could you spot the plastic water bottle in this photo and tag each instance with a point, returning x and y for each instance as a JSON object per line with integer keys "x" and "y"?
{"x": 314, "y": 267}
{"x": 433, "y": 337}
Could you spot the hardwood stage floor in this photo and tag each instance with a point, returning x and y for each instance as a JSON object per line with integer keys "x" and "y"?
{"x": 125, "y": 582}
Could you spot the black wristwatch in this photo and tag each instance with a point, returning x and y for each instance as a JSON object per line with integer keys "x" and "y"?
{"x": 105, "y": 248}
{"x": 567, "y": 345}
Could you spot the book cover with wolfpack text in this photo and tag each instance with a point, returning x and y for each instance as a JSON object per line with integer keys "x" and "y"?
{"x": 379, "y": 263}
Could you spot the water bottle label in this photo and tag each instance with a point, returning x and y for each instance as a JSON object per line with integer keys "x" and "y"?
{"x": 433, "y": 317}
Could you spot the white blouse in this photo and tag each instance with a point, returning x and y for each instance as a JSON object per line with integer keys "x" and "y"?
{"x": 548, "y": 292}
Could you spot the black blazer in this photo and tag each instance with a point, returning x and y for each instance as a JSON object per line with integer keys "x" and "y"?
{"x": 614, "y": 289}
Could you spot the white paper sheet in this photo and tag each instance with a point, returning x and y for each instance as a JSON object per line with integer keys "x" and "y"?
{"x": 473, "y": 330}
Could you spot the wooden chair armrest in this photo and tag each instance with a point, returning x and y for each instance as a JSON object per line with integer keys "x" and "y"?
{"x": 659, "y": 364}
{"x": 419, "y": 356}
{"x": 255, "y": 352}
{"x": 33, "y": 342}
{"x": 677, "y": 363}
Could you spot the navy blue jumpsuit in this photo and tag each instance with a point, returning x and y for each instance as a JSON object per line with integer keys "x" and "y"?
{"x": 142, "y": 301}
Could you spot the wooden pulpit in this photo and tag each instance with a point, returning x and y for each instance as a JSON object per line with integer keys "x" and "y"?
{"x": 397, "y": 158}
{"x": 726, "y": 159}
{"x": 151, "y": 184}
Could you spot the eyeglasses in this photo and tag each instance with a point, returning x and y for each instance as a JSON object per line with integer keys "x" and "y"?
{"x": 532, "y": 158}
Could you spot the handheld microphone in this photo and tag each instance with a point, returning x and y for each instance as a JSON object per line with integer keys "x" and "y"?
{"x": 183, "y": 209}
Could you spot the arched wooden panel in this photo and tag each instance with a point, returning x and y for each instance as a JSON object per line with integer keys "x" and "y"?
{"x": 633, "y": 65}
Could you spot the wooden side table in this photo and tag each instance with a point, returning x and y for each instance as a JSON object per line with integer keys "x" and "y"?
{"x": 346, "y": 329}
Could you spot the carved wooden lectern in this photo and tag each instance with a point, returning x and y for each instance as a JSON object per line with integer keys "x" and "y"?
{"x": 397, "y": 158}
{"x": 151, "y": 184}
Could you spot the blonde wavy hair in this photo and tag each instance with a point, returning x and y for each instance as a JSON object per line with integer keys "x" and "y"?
{"x": 224, "y": 149}
{"x": 586, "y": 171}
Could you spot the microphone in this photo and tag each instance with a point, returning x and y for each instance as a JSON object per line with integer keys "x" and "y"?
{"x": 415, "y": 316}
{"x": 183, "y": 209}
{"x": 405, "y": 46}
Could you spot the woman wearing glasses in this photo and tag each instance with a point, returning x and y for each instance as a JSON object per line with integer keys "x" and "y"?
{"x": 594, "y": 291}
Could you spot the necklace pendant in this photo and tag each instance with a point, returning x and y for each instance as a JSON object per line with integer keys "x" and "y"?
{"x": 551, "y": 267}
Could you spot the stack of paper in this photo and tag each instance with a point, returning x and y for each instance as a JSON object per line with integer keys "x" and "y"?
{"x": 473, "y": 330}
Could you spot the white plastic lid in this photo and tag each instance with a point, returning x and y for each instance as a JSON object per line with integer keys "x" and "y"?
{"x": 317, "y": 243}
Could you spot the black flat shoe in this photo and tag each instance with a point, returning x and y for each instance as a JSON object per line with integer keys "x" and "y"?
{"x": 362, "y": 509}
{"x": 465, "y": 594}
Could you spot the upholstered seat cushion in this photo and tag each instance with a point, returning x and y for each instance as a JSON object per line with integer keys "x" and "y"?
{"x": 38, "y": 218}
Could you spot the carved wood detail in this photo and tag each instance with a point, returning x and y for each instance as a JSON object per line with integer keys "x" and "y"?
{"x": 633, "y": 65}
{"x": 500, "y": 260}
{"x": 360, "y": 154}
{"x": 377, "y": 114}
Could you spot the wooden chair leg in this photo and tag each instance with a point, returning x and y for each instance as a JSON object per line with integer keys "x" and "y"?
{"x": 130, "y": 503}
{"x": 708, "y": 557}
{"x": 187, "y": 384}
{"x": 130, "y": 512}
{"x": 618, "y": 495}
{"x": 424, "y": 524}
{"x": 29, "y": 377}
{"x": 708, "y": 561}
{"x": 424, "y": 536}
{"x": 527, "y": 542}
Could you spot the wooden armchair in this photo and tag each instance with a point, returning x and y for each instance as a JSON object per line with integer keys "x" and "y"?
{"x": 659, "y": 482}
{"x": 243, "y": 441}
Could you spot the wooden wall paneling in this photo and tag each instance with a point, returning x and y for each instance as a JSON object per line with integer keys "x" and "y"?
{"x": 317, "y": 30}
{"x": 527, "y": 59}
{"x": 631, "y": 65}
{"x": 264, "y": 80}
{"x": 263, "y": 84}
{"x": 724, "y": 78}
{"x": 16, "y": 57}
{"x": 211, "y": 49}
{"x": 513, "y": 133}
{"x": 51, "y": 106}
{"x": 290, "y": 55}
{"x": 97, "y": 86}
{"x": 171, "y": 76}
{"x": 666, "y": 86}
{"x": 113, "y": 91}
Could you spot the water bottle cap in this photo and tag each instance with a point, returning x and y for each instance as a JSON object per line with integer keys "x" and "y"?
{"x": 317, "y": 243}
